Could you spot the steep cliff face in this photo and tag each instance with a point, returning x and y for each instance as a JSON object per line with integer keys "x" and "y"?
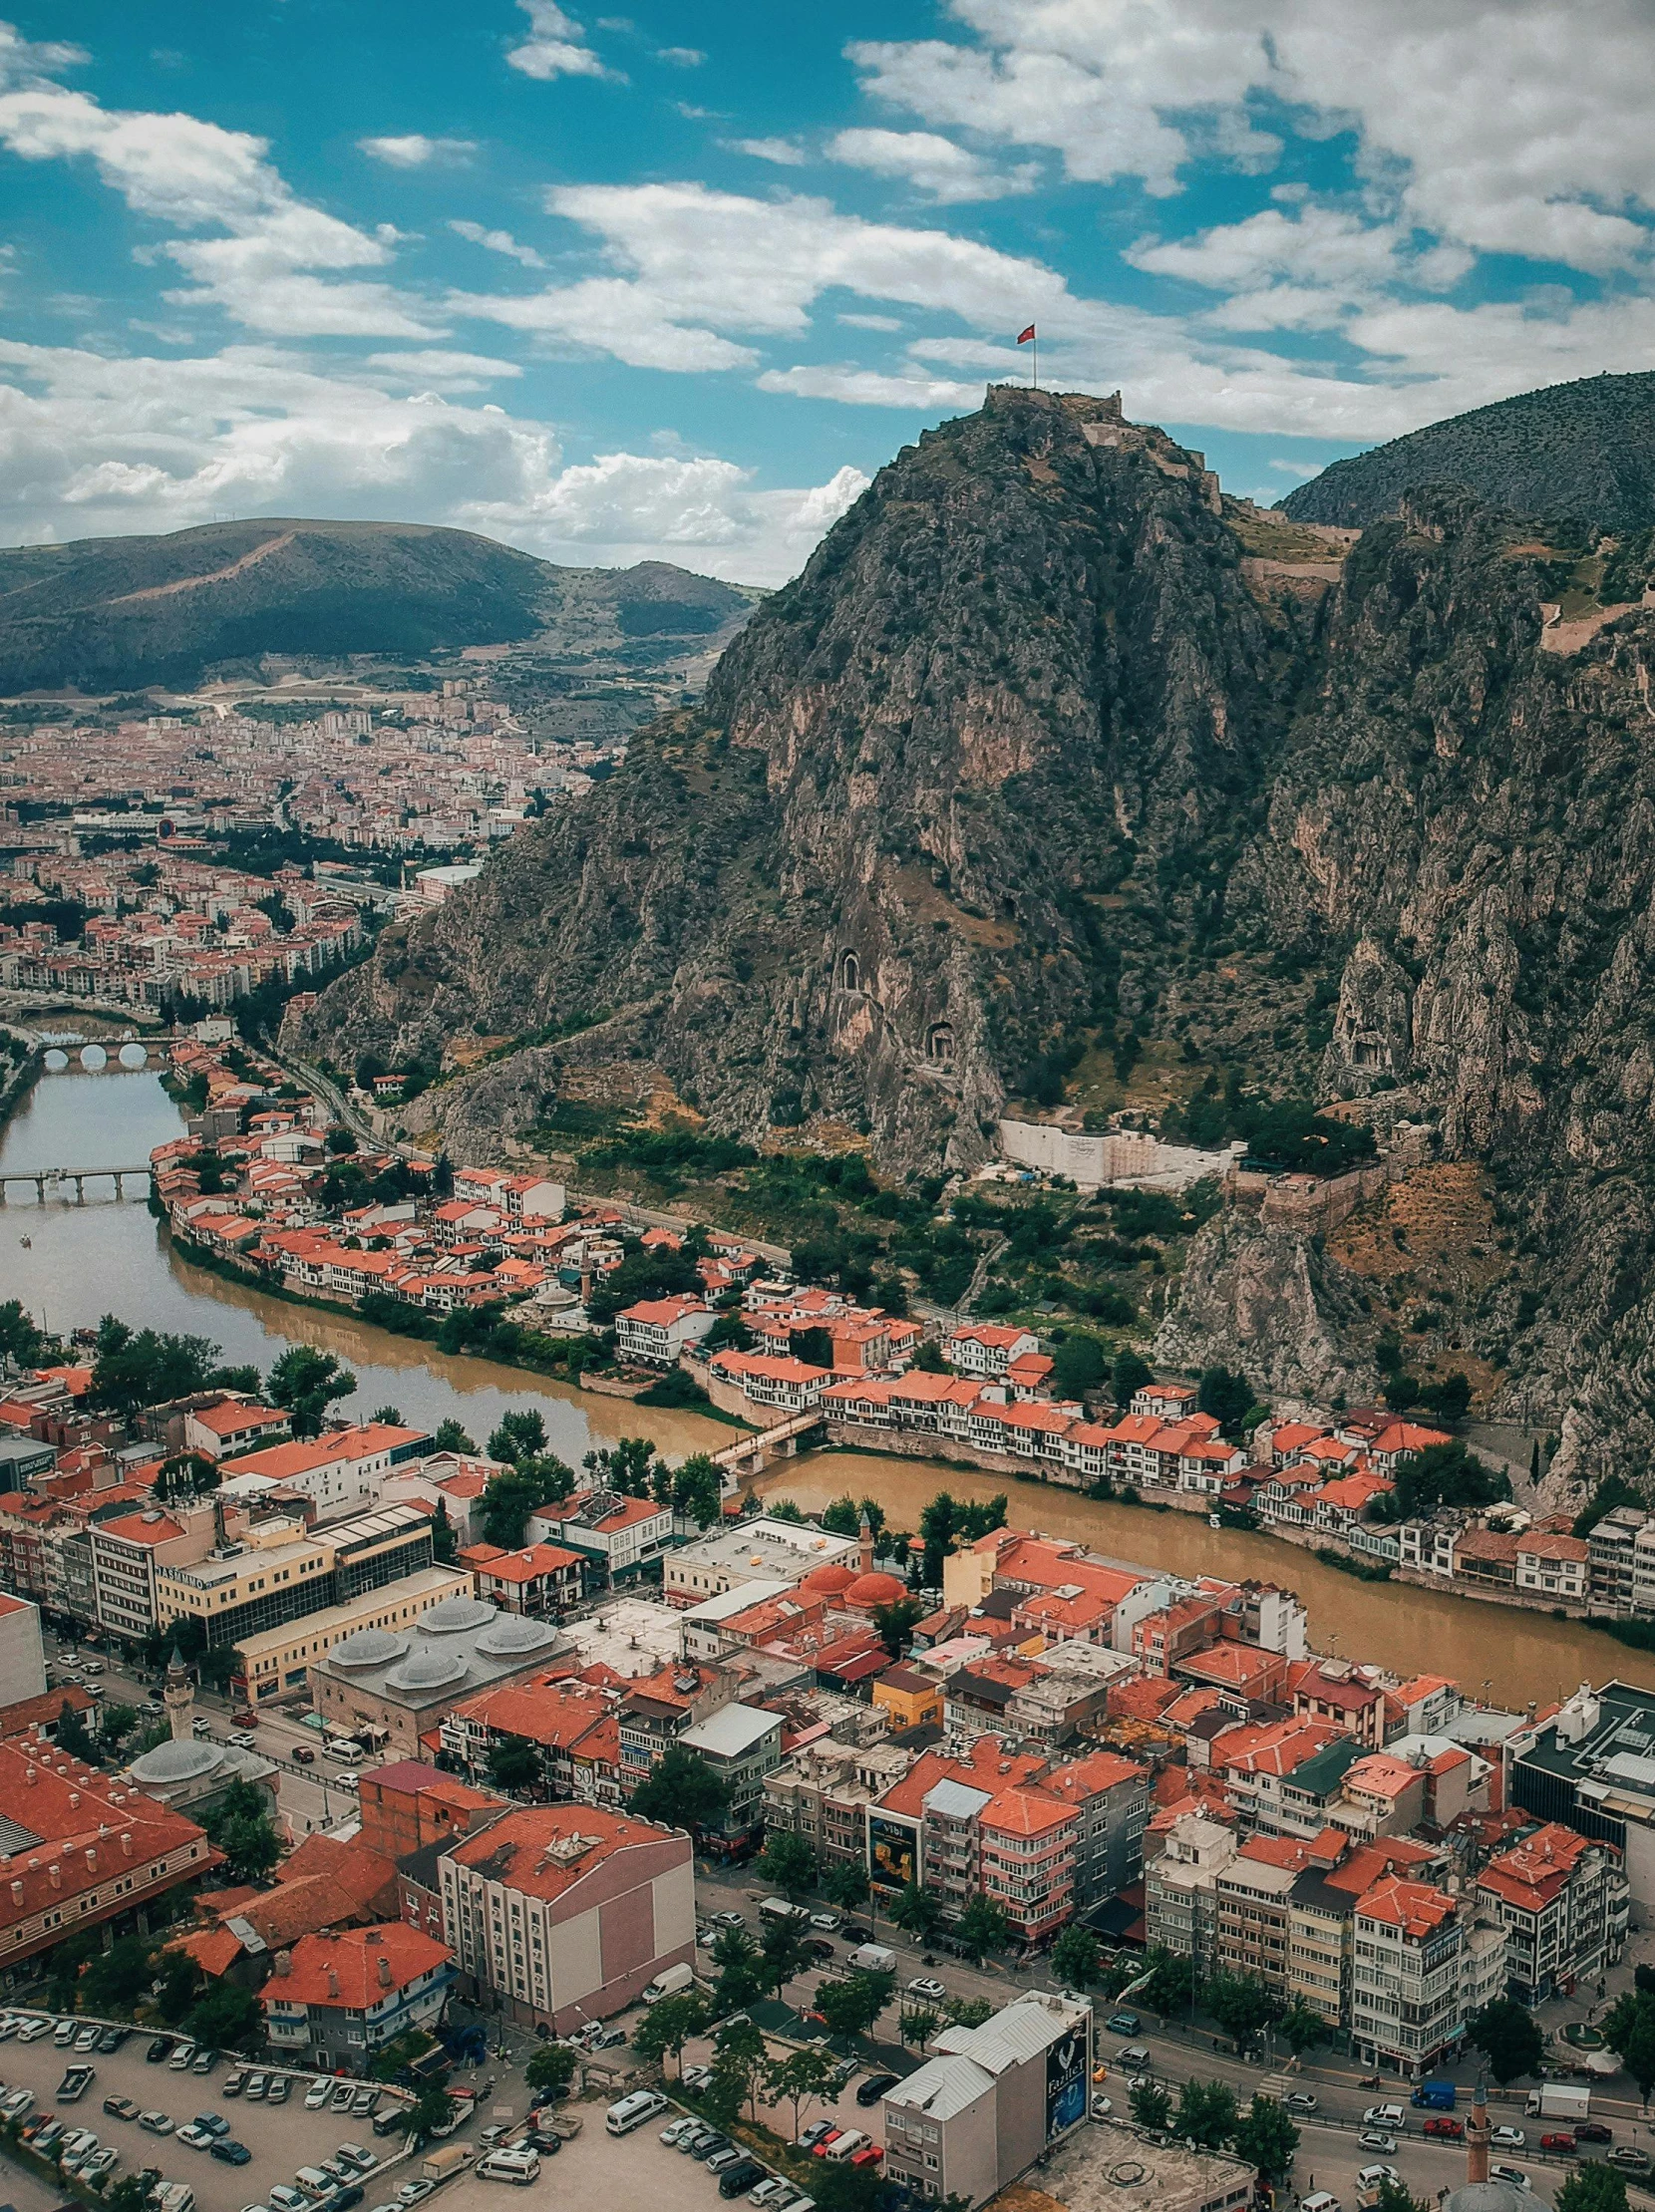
{"x": 865, "y": 880}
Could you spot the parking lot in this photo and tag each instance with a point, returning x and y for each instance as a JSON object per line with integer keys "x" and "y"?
{"x": 281, "y": 2137}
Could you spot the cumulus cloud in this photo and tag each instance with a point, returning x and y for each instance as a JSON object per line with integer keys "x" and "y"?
{"x": 680, "y": 57}
{"x": 416, "y": 151}
{"x": 931, "y": 164}
{"x": 89, "y": 445}
{"x": 552, "y": 47}
{"x": 497, "y": 242}
{"x": 783, "y": 152}
{"x": 913, "y": 389}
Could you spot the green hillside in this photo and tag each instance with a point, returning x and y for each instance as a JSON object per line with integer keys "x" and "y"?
{"x": 1585, "y": 450}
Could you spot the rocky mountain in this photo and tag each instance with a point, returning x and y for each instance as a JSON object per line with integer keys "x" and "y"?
{"x": 1054, "y": 751}
{"x": 1585, "y": 450}
{"x": 119, "y": 613}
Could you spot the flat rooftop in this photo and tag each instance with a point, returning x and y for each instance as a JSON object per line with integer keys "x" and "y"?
{"x": 634, "y": 1636}
{"x": 1104, "y": 2168}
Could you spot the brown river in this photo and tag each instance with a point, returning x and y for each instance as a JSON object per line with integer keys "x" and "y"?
{"x": 81, "y": 1261}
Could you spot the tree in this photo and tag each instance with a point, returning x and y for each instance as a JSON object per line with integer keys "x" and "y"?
{"x": 1077, "y": 1366}
{"x": 916, "y": 1912}
{"x": 132, "y": 2193}
{"x": 238, "y": 1825}
{"x": 432, "y": 2109}
{"x": 1506, "y": 2035}
{"x": 682, "y": 1792}
{"x": 519, "y": 1435}
{"x": 186, "y": 1474}
{"x": 1629, "y": 2031}
{"x": 845, "y": 1515}
{"x": 552, "y": 2065}
{"x": 1227, "y": 1398}
{"x": 116, "y": 1979}
{"x": 70, "y": 1734}
{"x": 63, "y": 1969}
{"x": 936, "y": 1525}
{"x": 967, "y": 2012}
{"x": 1129, "y": 1374}
{"x": 787, "y": 1863}
{"x": 1173, "y": 1984}
{"x": 1266, "y": 2138}
{"x": 929, "y": 1358}
{"x": 850, "y": 2007}
{"x": 145, "y": 1367}
{"x": 784, "y": 1953}
{"x": 1242, "y": 2005}
{"x": 1302, "y": 2028}
{"x": 181, "y": 1986}
{"x": 1075, "y": 1957}
{"x": 1151, "y": 2106}
{"x": 1395, "y": 2197}
{"x": 917, "y": 2023}
{"x": 799, "y": 2075}
{"x": 305, "y": 1382}
{"x": 741, "y": 2057}
{"x": 390, "y": 1416}
{"x": 846, "y": 1885}
{"x": 114, "y": 1724}
{"x": 225, "y": 2015}
{"x": 668, "y": 2026}
{"x": 1206, "y": 2114}
{"x": 844, "y": 2187}
{"x": 514, "y": 1764}
{"x": 984, "y": 1926}
{"x": 444, "y": 1544}
{"x": 451, "y": 1436}
{"x": 694, "y": 1490}
{"x": 895, "y": 1623}
{"x": 1593, "y": 2187}
{"x": 20, "y": 1341}
{"x": 509, "y": 1499}
{"x": 740, "y": 1970}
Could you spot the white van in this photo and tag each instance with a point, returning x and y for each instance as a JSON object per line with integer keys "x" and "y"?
{"x": 173, "y": 2196}
{"x": 518, "y": 2166}
{"x": 633, "y": 2111}
{"x": 1322, "y": 2201}
{"x": 844, "y": 2146}
{"x": 344, "y": 1749}
{"x": 669, "y": 1982}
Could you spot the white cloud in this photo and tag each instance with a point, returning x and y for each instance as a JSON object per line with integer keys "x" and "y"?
{"x": 873, "y": 322}
{"x": 416, "y": 151}
{"x": 497, "y": 242}
{"x": 680, "y": 57}
{"x": 1512, "y": 128}
{"x": 552, "y": 47}
{"x": 1304, "y": 469}
{"x": 931, "y": 164}
{"x": 783, "y": 152}
{"x": 435, "y": 368}
{"x": 913, "y": 389}
{"x": 89, "y": 445}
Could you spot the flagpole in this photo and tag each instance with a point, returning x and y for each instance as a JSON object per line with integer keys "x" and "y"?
{"x": 1034, "y": 366}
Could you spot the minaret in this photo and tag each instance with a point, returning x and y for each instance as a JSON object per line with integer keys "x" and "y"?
{"x": 179, "y": 1698}
{"x": 866, "y": 1534}
{"x": 1476, "y": 2134}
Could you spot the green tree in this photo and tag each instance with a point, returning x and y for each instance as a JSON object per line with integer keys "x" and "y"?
{"x": 1173, "y": 1985}
{"x": 916, "y": 1911}
{"x": 116, "y": 1979}
{"x": 852, "y": 2006}
{"x": 238, "y": 1825}
{"x": 444, "y": 1544}
{"x": 390, "y": 1416}
{"x": 181, "y": 1986}
{"x": 984, "y": 1926}
{"x": 1129, "y": 1374}
{"x": 682, "y": 1792}
{"x": 451, "y": 1436}
{"x": 1151, "y": 2106}
{"x": 1395, "y": 2197}
{"x": 845, "y": 1515}
{"x": 20, "y": 1339}
{"x": 847, "y": 2188}
{"x": 694, "y": 1490}
{"x": 1629, "y": 2031}
{"x": 784, "y": 1953}
{"x": 931, "y": 1359}
{"x": 1593, "y": 2187}
{"x": 1242, "y": 2004}
{"x": 917, "y": 2023}
{"x": 514, "y": 1764}
{"x": 552, "y": 2066}
{"x": 188, "y": 1474}
{"x": 740, "y": 1970}
{"x": 668, "y": 2026}
{"x": 937, "y": 1522}
{"x": 64, "y": 1966}
{"x": 132, "y": 2193}
{"x": 741, "y": 2057}
{"x": 306, "y": 1382}
{"x": 71, "y": 1734}
{"x": 1506, "y": 2035}
{"x": 788, "y": 1862}
{"x": 1227, "y": 1397}
{"x": 895, "y": 1623}
{"x": 509, "y": 1499}
{"x": 1301, "y": 2028}
{"x": 797, "y": 2075}
{"x": 114, "y": 1724}
{"x": 967, "y": 2012}
{"x": 846, "y": 1885}
{"x": 431, "y": 2109}
{"x": 1077, "y": 1366}
{"x": 1075, "y": 1957}
{"x": 1266, "y": 2138}
{"x": 1206, "y": 2114}
{"x": 226, "y": 2016}
{"x": 145, "y": 1367}
{"x": 519, "y": 1435}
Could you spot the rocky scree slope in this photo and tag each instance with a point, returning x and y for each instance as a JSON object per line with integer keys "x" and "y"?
{"x": 877, "y": 873}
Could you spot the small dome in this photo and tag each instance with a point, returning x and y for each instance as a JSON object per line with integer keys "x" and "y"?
{"x": 428, "y": 1671}
{"x": 830, "y": 1580}
{"x": 512, "y": 1633}
{"x": 870, "y": 1590}
{"x": 452, "y": 1615}
{"x": 369, "y": 1647}
{"x": 176, "y": 1763}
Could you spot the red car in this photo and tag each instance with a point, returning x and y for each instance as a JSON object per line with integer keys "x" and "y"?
{"x": 1556, "y": 2142}
{"x": 869, "y": 2157}
{"x": 1442, "y": 2125}
{"x": 244, "y": 1720}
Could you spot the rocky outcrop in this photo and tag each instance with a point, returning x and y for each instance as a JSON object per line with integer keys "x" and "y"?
{"x": 1272, "y": 1303}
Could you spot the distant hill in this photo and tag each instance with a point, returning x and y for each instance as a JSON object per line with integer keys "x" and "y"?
{"x": 1585, "y": 449}
{"x": 118, "y": 614}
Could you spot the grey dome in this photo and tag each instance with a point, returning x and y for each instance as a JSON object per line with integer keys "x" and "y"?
{"x": 176, "y": 1763}
{"x": 454, "y": 1614}
{"x": 428, "y": 1671}
{"x": 512, "y": 1633}
{"x": 1488, "y": 2196}
{"x": 369, "y": 1647}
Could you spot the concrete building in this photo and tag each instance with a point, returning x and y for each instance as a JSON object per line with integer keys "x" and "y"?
{"x": 337, "y": 1999}
{"x": 561, "y": 1914}
{"x": 742, "y": 1744}
{"x": 406, "y": 1805}
{"x": 992, "y": 2100}
{"x": 402, "y": 1681}
{"x": 655, "y": 1332}
{"x": 278, "y": 1571}
{"x": 621, "y": 1539}
{"x": 761, "y": 1550}
{"x": 1180, "y": 1886}
{"x": 340, "y": 1471}
{"x": 127, "y": 1554}
{"x": 1111, "y": 1797}
{"x": 22, "y": 1655}
{"x": 1591, "y": 1768}
{"x": 1563, "y": 1904}
{"x": 823, "y": 1793}
{"x": 542, "y": 1581}
{"x": 1424, "y": 1966}
{"x": 1113, "y": 2168}
{"x": 277, "y": 1662}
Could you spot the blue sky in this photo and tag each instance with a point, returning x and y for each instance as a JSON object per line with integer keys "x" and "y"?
{"x": 673, "y": 283}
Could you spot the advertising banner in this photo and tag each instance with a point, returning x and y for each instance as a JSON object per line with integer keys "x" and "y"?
{"x": 1065, "y": 2080}
{"x": 895, "y": 1852}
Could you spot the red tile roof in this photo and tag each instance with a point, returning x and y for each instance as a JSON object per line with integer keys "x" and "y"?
{"x": 343, "y": 1969}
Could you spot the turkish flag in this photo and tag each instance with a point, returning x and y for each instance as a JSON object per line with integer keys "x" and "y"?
{"x": 1023, "y": 336}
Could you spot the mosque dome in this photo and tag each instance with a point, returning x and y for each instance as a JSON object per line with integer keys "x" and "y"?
{"x": 830, "y": 1580}
{"x": 369, "y": 1647}
{"x": 452, "y": 1615}
{"x": 870, "y": 1590}
{"x": 174, "y": 1762}
{"x": 511, "y": 1635}
{"x": 428, "y": 1671}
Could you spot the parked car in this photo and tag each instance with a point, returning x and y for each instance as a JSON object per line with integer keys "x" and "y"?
{"x": 99, "y": 2163}
{"x": 695, "y": 2078}
{"x": 363, "y": 2161}
{"x": 303, "y": 1755}
{"x": 1557, "y": 2142}
{"x": 74, "y": 2084}
{"x": 318, "y": 2093}
{"x": 929, "y": 1986}
{"x": 278, "y": 2093}
{"x": 1508, "y": 2138}
{"x": 365, "y": 2103}
{"x": 343, "y": 2092}
{"x": 155, "y": 2123}
{"x": 110, "y": 2042}
{"x": 1371, "y": 2177}
{"x": 1513, "y": 2176}
{"x": 33, "y": 2029}
{"x": 87, "y": 2037}
{"x": 203, "y": 2063}
{"x": 703, "y": 2147}
{"x": 121, "y": 2107}
{"x": 1444, "y": 2128}
{"x": 65, "y": 2033}
{"x": 231, "y": 2152}
{"x": 195, "y": 2137}
{"x": 736, "y": 2180}
{"x": 182, "y": 2058}
{"x": 1593, "y": 2132}
{"x": 1630, "y": 2158}
{"x": 243, "y": 1719}
{"x": 675, "y": 2131}
{"x": 1103, "y": 2109}
{"x": 720, "y": 2161}
{"x": 233, "y": 2082}
{"x": 817, "y": 2131}
{"x": 284, "y": 2199}
{"x": 874, "y": 2087}
{"x": 1298, "y": 2101}
{"x": 728, "y": 1920}
{"x": 257, "y": 2084}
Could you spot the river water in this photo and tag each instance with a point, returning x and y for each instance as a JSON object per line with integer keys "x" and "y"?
{"x": 103, "y": 1257}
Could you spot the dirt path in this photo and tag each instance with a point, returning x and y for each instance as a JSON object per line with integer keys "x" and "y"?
{"x": 219, "y": 575}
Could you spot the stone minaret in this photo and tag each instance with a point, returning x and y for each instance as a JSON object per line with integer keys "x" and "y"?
{"x": 865, "y": 1534}
{"x": 1477, "y": 2133}
{"x": 179, "y": 1698}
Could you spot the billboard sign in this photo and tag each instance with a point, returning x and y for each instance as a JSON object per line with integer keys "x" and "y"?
{"x": 894, "y": 1851}
{"x": 1065, "y": 2080}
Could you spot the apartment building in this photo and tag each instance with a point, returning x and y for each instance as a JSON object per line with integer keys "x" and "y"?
{"x": 127, "y": 1556}
{"x": 825, "y": 1794}
{"x": 1563, "y": 1902}
{"x": 1423, "y": 1966}
{"x": 742, "y": 1744}
{"x": 1589, "y": 1766}
{"x": 338, "y": 1999}
{"x": 1252, "y": 1907}
{"x": 542, "y": 1581}
{"x": 655, "y": 1332}
{"x": 619, "y": 1538}
{"x": 1321, "y": 1914}
{"x": 1181, "y": 1884}
{"x": 1111, "y": 1799}
{"x": 280, "y": 1571}
{"x": 1027, "y": 1854}
{"x": 657, "y": 1709}
{"x": 22, "y": 1654}
{"x": 341, "y": 1469}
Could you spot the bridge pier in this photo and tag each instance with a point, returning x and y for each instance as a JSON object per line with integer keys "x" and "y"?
{"x": 80, "y": 1190}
